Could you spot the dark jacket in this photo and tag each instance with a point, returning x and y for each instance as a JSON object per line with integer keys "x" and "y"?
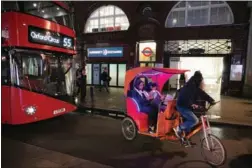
{"x": 190, "y": 93}
{"x": 105, "y": 76}
{"x": 82, "y": 79}
{"x": 143, "y": 103}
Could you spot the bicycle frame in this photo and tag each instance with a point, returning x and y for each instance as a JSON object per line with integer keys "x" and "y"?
{"x": 204, "y": 125}
{"x": 206, "y": 128}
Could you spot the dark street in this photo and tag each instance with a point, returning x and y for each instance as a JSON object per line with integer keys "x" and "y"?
{"x": 99, "y": 139}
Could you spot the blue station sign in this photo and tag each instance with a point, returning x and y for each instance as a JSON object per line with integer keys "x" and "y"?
{"x": 105, "y": 52}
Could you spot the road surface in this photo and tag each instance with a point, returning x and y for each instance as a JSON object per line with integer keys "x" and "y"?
{"x": 99, "y": 139}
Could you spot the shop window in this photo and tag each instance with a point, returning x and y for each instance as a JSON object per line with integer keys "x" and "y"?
{"x": 210, "y": 46}
{"x": 199, "y": 13}
{"x": 106, "y": 19}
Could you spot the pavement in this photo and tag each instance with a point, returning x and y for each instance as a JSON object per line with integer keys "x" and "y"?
{"x": 230, "y": 110}
{"x": 82, "y": 140}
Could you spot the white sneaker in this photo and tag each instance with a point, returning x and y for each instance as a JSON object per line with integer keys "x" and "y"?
{"x": 151, "y": 130}
{"x": 177, "y": 131}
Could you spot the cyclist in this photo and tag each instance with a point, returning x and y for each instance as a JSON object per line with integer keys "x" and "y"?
{"x": 186, "y": 103}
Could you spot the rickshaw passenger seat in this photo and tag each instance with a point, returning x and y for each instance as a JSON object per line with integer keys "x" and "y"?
{"x": 132, "y": 103}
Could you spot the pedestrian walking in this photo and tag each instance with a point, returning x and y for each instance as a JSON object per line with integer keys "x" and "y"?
{"x": 105, "y": 79}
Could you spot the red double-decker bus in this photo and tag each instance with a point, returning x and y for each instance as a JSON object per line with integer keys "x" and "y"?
{"x": 38, "y": 45}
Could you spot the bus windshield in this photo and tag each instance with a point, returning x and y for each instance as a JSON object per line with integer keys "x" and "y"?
{"x": 46, "y": 73}
{"x": 48, "y": 10}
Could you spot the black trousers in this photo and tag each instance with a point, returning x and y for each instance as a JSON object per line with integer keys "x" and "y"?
{"x": 105, "y": 85}
{"x": 153, "y": 116}
{"x": 81, "y": 89}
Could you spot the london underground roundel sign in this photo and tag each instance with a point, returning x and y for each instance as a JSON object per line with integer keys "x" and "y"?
{"x": 147, "y": 51}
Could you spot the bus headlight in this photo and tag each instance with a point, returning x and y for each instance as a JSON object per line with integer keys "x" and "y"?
{"x": 76, "y": 100}
{"x": 30, "y": 110}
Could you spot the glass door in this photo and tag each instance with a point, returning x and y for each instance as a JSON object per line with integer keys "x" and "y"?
{"x": 113, "y": 74}
{"x": 96, "y": 74}
{"x": 104, "y": 66}
{"x": 212, "y": 72}
{"x": 121, "y": 74}
{"x": 89, "y": 74}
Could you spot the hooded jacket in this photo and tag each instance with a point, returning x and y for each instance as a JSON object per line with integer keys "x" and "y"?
{"x": 192, "y": 92}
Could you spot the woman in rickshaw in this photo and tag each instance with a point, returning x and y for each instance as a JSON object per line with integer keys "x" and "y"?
{"x": 187, "y": 101}
{"x": 144, "y": 101}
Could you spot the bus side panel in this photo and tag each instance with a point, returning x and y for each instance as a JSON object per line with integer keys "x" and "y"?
{"x": 46, "y": 107}
{"x": 6, "y": 104}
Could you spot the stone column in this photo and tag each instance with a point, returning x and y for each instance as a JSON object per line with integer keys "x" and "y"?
{"x": 247, "y": 90}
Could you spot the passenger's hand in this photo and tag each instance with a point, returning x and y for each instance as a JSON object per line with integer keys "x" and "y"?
{"x": 150, "y": 97}
{"x": 194, "y": 106}
{"x": 162, "y": 97}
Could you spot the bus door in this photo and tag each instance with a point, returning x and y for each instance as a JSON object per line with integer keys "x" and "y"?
{"x": 5, "y": 86}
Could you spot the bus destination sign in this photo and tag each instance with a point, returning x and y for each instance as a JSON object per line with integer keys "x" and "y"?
{"x": 47, "y": 37}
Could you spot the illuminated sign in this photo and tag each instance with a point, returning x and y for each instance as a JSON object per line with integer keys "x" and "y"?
{"x": 147, "y": 52}
{"x": 47, "y": 37}
{"x": 236, "y": 72}
{"x": 105, "y": 52}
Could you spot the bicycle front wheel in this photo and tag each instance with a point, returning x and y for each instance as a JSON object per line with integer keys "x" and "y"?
{"x": 216, "y": 153}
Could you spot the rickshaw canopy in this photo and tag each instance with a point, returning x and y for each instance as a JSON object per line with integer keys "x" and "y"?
{"x": 158, "y": 75}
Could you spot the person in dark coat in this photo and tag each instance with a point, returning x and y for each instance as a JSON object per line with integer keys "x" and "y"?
{"x": 78, "y": 79}
{"x": 182, "y": 80}
{"x": 143, "y": 100}
{"x": 105, "y": 78}
{"x": 81, "y": 81}
{"x": 187, "y": 101}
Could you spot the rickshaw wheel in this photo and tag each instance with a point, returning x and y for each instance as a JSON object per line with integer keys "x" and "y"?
{"x": 212, "y": 156}
{"x": 129, "y": 129}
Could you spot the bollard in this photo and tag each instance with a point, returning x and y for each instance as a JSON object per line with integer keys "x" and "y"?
{"x": 92, "y": 94}
{"x": 92, "y": 99}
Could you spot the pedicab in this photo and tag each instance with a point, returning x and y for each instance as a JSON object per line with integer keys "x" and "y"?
{"x": 136, "y": 121}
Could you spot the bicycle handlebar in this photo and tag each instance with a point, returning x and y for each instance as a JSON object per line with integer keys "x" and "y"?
{"x": 211, "y": 105}
{"x": 205, "y": 109}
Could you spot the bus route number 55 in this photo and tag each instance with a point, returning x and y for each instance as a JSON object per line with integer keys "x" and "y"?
{"x": 67, "y": 42}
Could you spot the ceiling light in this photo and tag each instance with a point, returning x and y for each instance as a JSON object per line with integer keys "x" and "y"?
{"x": 174, "y": 21}
{"x": 43, "y": 11}
{"x": 34, "y": 4}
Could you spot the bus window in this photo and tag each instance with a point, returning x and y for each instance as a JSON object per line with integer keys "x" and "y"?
{"x": 9, "y": 6}
{"x": 47, "y": 73}
{"x": 48, "y": 10}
